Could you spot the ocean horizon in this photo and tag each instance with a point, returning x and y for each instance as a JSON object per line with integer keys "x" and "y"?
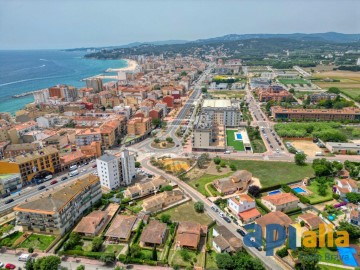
{"x": 29, "y": 70}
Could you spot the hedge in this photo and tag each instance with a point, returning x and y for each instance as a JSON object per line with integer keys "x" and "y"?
{"x": 260, "y": 204}
{"x": 294, "y": 211}
{"x": 61, "y": 243}
{"x": 262, "y": 190}
{"x": 126, "y": 259}
{"x": 138, "y": 232}
{"x": 89, "y": 254}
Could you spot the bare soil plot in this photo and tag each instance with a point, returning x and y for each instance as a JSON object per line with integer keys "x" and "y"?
{"x": 308, "y": 147}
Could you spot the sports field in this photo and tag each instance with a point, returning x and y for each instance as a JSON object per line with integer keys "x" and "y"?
{"x": 230, "y": 140}
{"x": 293, "y": 81}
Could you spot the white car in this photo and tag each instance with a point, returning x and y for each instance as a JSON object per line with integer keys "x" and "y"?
{"x": 2, "y": 264}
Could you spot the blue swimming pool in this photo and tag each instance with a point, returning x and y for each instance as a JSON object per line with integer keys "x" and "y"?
{"x": 347, "y": 256}
{"x": 274, "y": 192}
{"x": 238, "y": 136}
{"x": 299, "y": 190}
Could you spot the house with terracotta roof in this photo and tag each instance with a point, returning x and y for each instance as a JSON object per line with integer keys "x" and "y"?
{"x": 121, "y": 228}
{"x": 189, "y": 234}
{"x": 311, "y": 220}
{"x": 92, "y": 223}
{"x": 237, "y": 182}
{"x": 225, "y": 241}
{"x": 276, "y": 217}
{"x": 154, "y": 234}
{"x": 244, "y": 207}
{"x": 344, "y": 186}
{"x": 162, "y": 200}
{"x": 280, "y": 202}
{"x": 144, "y": 188}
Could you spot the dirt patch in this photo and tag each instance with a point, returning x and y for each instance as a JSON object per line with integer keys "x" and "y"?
{"x": 176, "y": 165}
{"x": 162, "y": 145}
{"x": 212, "y": 169}
{"x": 308, "y": 147}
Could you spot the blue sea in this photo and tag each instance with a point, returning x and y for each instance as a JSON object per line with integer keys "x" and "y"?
{"x": 23, "y": 71}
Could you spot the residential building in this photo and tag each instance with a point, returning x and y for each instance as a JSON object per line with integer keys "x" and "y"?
{"x": 41, "y": 96}
{"x": 344, "y": 186}
{"x": 9, "y": 182}
{"x": 139, "y": 126}
{"x": 237, "y": 182}
{"x": 121, "y": 228}
{"x": 225, "y": 112}
{"x": 144, "y": 188}
{"x": 31, "y": 165}
{"x": 162, "y": 200}
{"x": 94, "y": 83}
{"x": 14, "y": 150}
{"x": 189, "y": 233}
{"x": 314, "y": 98}
{"x": 87, "y": 136}
{"x": 92, "y": 223}
{"x": 273, "y": 93}
{"x": 343, "y": 148}
{"x": 56, "y": 212}
{"x": 351, "y": 114}
{"x": 311, "y": 220}
{"x": 280, "y": 202}
{"x": 244, "y": 207}
{"x": 276, "y": 217}
{"x": 225, "y": 241}
{"x": 154, "y": 234}
{"x": 115, "y": 171}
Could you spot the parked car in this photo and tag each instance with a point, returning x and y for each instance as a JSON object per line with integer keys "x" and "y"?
{"x": 228, "y": 220}
{"x": 24, "y": 257}
{"x": 53, "y": 182}
{"x": 9, "y": 201}
{"x": 10, "y": 266}
{"x": 241, "y": 232}
{"x": 64, "y": 178}
{"x": 41, "y": 187}
{"x": 94, "y": 166}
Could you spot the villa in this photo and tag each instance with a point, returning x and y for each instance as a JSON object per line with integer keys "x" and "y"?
{"x": 274, "y": 218}
{"x": 244, "y": 207}
{"x": 237, "y": 182}
{"x": 225, "y": 241}
{"x": 281, "y": 202}
{"x": 311, "y": 221}
{"x": 344, "y": 186}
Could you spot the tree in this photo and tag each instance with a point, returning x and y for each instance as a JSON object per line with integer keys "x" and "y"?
{"x": 29, "y": 265}
{"x": 222, "y": 164}
{"x": 224, "y": 261}
{"x": 156, "y": 122}
{"x": 217, "y": 160}
{"x": 165, "y": 218}
{"x": 204, "y": 89}
{"x": 47, "y": 263}
{"x": 184, "y": 253}
{"x": 30, "y": 249}
{"x": 137, "y": 164}
{"x": 154, "y": 254}
{"x": 354, "y": 231}
{"x": 202, "y": 160}
{"x": 199, "y": 207}
{"x": 233, "y": 167}
{"x": 156, "y": 140}
{"x": 135, "y": 251}
{"x": 108, "y": 258}
{"x": 254, "y": 191}
{"x": 300, "y": 159}
{"x": 334, "y": 90}
{"x": 353, "y": 197}
{"x": 80, "y": 267}
{"x": 308, "y": 258}
{"x": 292, "y": 90}
{"x": 96, "y": 244}
{"x": 169, "y": 140}
{"x": 74, "y": 240}
{"x": 243, "y": 261}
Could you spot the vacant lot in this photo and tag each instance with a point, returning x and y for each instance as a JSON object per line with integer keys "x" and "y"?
{"x": 38, "y": 241}
{"x": 186, "y": 212}
{"x": 293, "y": 81}
{"x": 272, "y": 173}
{"x": 315, "y": 197}
{"x": 308, "y": 147}
{"x": 200, "y": 183}
{"x": 230, "y": 139}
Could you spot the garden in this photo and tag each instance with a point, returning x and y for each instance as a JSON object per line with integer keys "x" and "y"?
{"x": 9, "y": 240}
{"x": 163, "y": 144}
{"x": 230, "y": 140}
{"x": 37, "y": 241}
{"x": 257, "y": 144}
{"x": 321, "y": 190}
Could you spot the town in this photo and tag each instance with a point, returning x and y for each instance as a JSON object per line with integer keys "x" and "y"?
{"x": 176, "y": 158}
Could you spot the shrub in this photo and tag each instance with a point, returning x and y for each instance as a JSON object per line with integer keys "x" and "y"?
{"x": 259, "y": 203}
{"x": 217, "y": 160}
{"x": 336, "y": 196}
{"x": 282, "y": 252}
{"x": 302, "y": 223}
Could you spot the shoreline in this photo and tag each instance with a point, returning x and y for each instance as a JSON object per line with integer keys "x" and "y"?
{"x": 132, "y": 65}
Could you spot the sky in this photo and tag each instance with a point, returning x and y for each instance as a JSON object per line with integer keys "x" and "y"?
{"x": 54, "y": 24}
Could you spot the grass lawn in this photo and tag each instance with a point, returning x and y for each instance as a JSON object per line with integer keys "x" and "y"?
{"x": 176, "y": 258}
{"x": 113, "y": 248}
{"x": 353, "y": 93}
{"x": 230, "y": 140}
{"x": 272, "y": 173}
{"x": 147, "y": 253}
{"x": 329, "y": 256}
{"x": 315, "y": 197}
{"x": 136, "y": 207}
{"x": 199, "y": 184}
{"x": 186, "y": 212}
{"x": 224, "y": 93}
{"x": 326, "y": 267}
{"x": 9, "y": 240}
{"x": 38, "y": 241}
{"x": 293, "y": 81}
{"x": 294, "y": 217}
{"x": 210, "y": 261}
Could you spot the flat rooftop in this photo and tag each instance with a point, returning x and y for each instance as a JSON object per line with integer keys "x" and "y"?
{"x": 217, "y": 103}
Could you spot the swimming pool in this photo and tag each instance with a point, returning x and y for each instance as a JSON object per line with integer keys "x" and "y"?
{"x": 347, "y": 256}
{"x": 274, "y": 192}
{"x": 299, "y": 190}
{"x": 238, "y": 136}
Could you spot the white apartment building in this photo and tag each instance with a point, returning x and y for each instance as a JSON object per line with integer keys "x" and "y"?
{"x": 115, "y": 171}
{"x": 223, "y": 111}
{"x": 41, "y": 96}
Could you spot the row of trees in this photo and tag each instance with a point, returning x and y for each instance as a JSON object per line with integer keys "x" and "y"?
{"x": 239, "y": 261}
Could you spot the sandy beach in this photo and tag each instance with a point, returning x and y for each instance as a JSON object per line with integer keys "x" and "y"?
{"x": 132, "y": 65}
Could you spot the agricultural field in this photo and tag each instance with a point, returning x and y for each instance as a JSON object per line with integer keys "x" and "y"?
{"x": 293, "y": 81}
{"x": 233, "y": 94}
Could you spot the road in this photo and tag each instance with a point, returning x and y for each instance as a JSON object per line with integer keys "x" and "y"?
{"x": 31, "y": 191}
{"x": 269, "y": 262}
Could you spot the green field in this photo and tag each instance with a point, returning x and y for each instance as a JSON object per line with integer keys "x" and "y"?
{"x": 186, "y": 212}
{"x": 199, "y": 183}
{"x": 113, "y": 249}
{"x": 271, "y": 173}
{"x": 38, "y": 241}
{"x": 230, "y": 140}
{"x": 329, "y": 256}
{"x": 353, "y": 93}
{"x": 315, "y": 197}
{"x": 293, "y": 81}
